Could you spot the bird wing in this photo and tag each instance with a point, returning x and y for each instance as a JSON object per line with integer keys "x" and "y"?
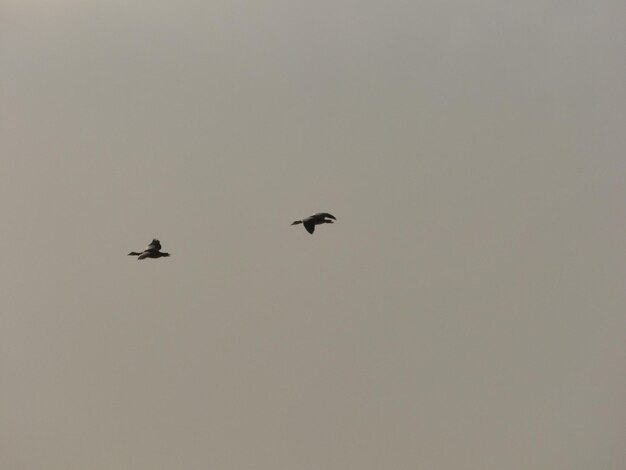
{"x": 322, "y": 215}
{"x": 309, "y": 225}
{"x": 155, "y": 245}
{"x": 144, "y": 255}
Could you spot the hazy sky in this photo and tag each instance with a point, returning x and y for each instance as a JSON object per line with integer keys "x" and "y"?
{"x": 466, "y": 311}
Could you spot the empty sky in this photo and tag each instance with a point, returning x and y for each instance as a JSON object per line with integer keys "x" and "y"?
{"x": 466, "y": 311}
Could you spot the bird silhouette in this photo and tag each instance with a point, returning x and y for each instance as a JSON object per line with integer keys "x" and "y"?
{"x": 316, "y": 219}
{"x": 153, "y": 250}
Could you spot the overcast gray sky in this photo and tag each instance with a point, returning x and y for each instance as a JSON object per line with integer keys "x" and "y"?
{"x": 466, "y": 311}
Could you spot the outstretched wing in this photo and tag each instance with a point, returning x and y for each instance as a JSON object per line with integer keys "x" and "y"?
{"x": 155, "y": 245}
{"x": 322, "y": 215}
{"x": 309, "y": 226}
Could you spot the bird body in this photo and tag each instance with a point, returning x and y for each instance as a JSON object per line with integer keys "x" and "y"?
{"x": 153, "y": 250}
{"x": 316, "y": 219}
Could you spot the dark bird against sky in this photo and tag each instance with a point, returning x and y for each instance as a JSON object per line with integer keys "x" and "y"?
{"x": 316, "y": 219}
{"x": 153, "y": 250}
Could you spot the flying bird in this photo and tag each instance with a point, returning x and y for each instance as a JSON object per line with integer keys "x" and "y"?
{"x": 317, "y": 219}
{"x": 153, "y": 250}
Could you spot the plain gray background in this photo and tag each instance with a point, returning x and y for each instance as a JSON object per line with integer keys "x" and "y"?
{"x": 465, "y": 312}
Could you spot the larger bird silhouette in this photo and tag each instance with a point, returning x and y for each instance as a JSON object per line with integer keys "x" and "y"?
{"x": 153, "y": 250}
{"x": 316, "y": 219}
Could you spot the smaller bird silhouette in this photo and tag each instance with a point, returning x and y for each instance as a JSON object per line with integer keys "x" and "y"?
{"x": 316, "y": 219}
{"x": 153, "y": 250}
